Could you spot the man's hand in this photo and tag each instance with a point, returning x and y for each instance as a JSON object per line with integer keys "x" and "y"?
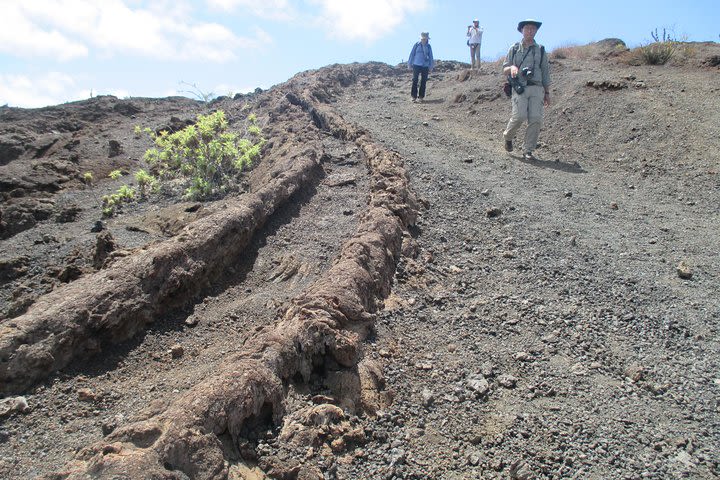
{"x": 514, "y": 71}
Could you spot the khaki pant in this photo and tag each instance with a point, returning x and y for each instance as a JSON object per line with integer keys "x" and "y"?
{"x": 526, "y": 107}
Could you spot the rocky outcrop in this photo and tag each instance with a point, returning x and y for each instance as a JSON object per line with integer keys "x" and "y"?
{"x": 327, "y": 321}
{"x": 113, "y": 304}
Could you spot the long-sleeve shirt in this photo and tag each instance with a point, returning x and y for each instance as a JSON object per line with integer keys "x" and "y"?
{"x": 421, "y": 55}
{"x": 475, "y": 35}
{"x": 532, "y": 57}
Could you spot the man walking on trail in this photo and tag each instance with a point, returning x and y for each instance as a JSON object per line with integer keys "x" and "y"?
{"x": 474, "y": 33}
{"x": 527, "y": 64}
{"x": 422, "y": 62}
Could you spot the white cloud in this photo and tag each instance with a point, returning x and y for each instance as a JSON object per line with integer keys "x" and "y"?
{"x": 366, "y": 19}
{"x": 66, "y": 29}
{"x": 280, "y": 10}
{"x": 22, "y": 37}
{"x": 50, "y": 88}
{"x": 215, "y": 42}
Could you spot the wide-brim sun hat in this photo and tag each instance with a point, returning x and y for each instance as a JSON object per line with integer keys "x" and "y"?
{"x": 527, "y": 22}
{"x": 425, "y": 35}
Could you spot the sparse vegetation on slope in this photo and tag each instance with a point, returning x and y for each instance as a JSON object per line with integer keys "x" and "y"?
{"x": 206, "y": 154}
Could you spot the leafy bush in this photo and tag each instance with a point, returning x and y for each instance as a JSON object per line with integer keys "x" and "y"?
{"x": 115, "y": 174}
{"x": 206, "y": 155}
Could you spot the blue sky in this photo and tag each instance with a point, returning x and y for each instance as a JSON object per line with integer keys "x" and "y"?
{"x": 54, "y": 51}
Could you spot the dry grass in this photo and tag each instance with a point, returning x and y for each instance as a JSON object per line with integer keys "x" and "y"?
{"x": 662, "y": 53}
{"x": 657, "y": 53}
{"x": 573, "y": 52}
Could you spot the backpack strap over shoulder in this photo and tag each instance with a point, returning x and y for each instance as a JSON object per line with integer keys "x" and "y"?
{"x": 515, "y": 48}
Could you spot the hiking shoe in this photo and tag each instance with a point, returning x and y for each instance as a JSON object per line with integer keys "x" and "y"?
{"x": 508, "y": 145}
{"x": 421, "y": 100}
{"x": 414, "y": 100}
{"x": 529, "y": 156}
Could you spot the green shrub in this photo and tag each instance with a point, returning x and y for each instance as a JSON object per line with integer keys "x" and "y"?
{"x": 113, "y": 202}
{"x": 115, "y": 174}
{"x": 146, "y": 182}
{"x": 206, "y": 155}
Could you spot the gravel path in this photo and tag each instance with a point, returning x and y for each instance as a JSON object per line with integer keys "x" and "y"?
{"x": 542, "y": 330}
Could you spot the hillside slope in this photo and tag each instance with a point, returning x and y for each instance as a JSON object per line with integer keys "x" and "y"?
{"x": 391, "y": 295}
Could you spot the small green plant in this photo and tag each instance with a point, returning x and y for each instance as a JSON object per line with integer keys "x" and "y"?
{"x": 113, "y": 203}
{"x": 126, "y": 192}
{"x": 115, "y": 174}
{"x": 146, "y": 182}
{"x": 206, "y": 154}
{"x": 138, "y": 131}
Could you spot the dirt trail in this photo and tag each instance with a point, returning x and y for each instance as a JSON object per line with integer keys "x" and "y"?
{"x": 536, "y": 325}
{"x": 543, "y": 330}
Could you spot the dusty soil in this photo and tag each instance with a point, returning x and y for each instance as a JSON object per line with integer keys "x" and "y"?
{"x": 547, "y": 319}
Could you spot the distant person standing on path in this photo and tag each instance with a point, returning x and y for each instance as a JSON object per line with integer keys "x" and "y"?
{"x": 474, "y": 33}
{"x": 421, "y": 61}
{"x": 527, "y": 62}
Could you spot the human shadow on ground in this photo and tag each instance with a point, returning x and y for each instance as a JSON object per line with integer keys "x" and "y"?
{"x": 552, "y": 164}
{"x": 434, "y": 100}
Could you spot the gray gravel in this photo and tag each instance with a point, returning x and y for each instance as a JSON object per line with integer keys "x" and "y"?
{"x": 543, "y": 329}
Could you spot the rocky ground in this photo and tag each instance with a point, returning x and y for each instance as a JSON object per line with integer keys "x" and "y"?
{"x": 555, "y": 318}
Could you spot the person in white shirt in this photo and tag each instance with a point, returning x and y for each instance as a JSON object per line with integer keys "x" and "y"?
{"x": 474, "y": 33}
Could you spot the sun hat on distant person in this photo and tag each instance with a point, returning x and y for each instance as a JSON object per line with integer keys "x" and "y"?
{"x": 527, "y": 22}
{"x": 425, "y": 35}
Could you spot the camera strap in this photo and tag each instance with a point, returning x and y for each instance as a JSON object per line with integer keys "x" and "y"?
{"x": 516, "y": 47}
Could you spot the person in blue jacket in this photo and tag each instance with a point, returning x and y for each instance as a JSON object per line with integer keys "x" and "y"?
{"x": 421, "y": 61}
